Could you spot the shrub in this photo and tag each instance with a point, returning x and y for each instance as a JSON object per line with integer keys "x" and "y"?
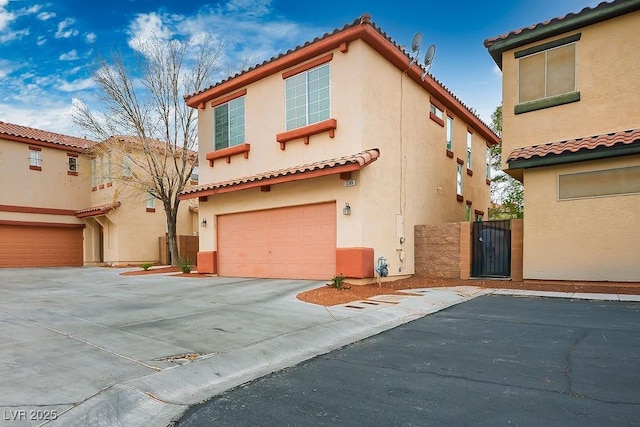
{"x": 146, "y": 266}
{"x": 186, "y": 264}
{"x": 338, "y": 283}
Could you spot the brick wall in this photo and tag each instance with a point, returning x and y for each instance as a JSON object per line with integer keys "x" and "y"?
{"x": 516, "y": 249}
{"x": 438, "y": 249}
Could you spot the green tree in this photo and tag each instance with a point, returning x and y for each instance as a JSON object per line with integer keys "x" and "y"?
{"x": 507, "y": 193}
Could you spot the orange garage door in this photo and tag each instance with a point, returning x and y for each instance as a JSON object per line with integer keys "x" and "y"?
{"x": 296, "y": 242}
{"x": 27, "y": 246}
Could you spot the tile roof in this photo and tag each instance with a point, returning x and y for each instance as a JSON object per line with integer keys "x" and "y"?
{"x": 37, "y": 135}
{"x": 136, "y": 142}
{"x": 605, "y": 141}
{"x": 365, "y": 19}
{"x": 97, "y": 210}
{"x": 325, "y": 167}
{"x": 561, "y": 24}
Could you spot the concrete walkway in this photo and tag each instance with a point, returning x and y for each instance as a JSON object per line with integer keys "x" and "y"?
{"x": 86, "y": 346}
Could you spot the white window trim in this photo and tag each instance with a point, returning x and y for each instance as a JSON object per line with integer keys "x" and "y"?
{"x": 72, "y": 160}
{"x": 229, "y": 136}
{"x": 150, "y": 201}
{"x": 469, "y": 149}
{"x": 459, "y": 180}
{"x": 35, "y": 158}
{"x": 306, "y": 102}
{"x": 449, "y": 133}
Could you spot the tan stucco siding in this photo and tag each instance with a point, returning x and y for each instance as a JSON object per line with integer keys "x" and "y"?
{"x": 376, "y": 106}
{"x": 608, "y": 77}
{"x": 265, "y": 118}
{"x": 50, "y": 187}
{"x": 583, "y": 239}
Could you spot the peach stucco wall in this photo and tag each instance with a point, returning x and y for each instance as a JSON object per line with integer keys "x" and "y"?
{"x": 607, "y": 77}
{"x": 50, "y": 187}
{"x": 584, "y": 239}
{"x": 590, "y": 238}
{"x": 130, "y": 232}
{"x": 375, "y": 106}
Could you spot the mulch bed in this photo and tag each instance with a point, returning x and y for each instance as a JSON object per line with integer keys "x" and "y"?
{"x": 328, "y": 296}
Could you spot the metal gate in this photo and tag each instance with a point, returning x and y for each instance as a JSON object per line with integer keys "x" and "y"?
{"x": 491, "y": 249}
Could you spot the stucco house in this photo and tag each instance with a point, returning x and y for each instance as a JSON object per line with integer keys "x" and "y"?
{"x": 63, "y": 204}
{"x": 571, "y": 134}
{"x": 321, "y": 160}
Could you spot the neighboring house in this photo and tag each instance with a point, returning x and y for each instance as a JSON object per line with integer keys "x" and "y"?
{"x": 323, "y": 159}
{"x": 571, "y": 134}
{"x": 61, "y": 204}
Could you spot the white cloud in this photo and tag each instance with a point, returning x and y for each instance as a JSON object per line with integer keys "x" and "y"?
{"x": 251, "y": 33}
{"x": 6, "y": 68}
{"x": 54, "y": 116}
{"x": 5, "y": 16}
{"x": 13, "y": 35}
{"x": 64, "y": 29}
{"x": 72, "y": 55}
{"x": 90, "y": 37}
{"x": 252, "y": 8}
{"x": 76, "y": 85}
{"x": 45, "y": 16}
{"x": 30, "y": 10}
{"x": 147, "y": 26}
{"x": 41, "y": 40}
{"x": 497, "y": 71}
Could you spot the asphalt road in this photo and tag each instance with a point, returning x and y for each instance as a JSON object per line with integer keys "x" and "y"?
{"x": 495, "y": 360}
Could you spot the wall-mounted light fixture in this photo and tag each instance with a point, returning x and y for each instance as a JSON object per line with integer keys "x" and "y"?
{"x": 203, "y": 223}
{"x": 347, "y": 209}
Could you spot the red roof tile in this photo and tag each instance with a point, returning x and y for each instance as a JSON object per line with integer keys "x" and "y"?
{"x": 574, "y": 145}
{"x": 12, "y": 131}
{"x": 326, "y": 167}
{"x": 97, "y": 210}
{"x": 488, "y": 42}
{"x": 365, "y": 19}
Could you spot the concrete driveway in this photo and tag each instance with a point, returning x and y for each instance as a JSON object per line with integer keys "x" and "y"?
{"x": 87, "y": 346}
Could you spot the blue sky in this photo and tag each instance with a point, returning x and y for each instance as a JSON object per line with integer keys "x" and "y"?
{"x": 48, "y": 48}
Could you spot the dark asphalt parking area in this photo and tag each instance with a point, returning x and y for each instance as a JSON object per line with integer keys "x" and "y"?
{"x": 494, "y": 360}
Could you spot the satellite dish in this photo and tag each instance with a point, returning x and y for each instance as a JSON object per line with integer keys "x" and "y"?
{"x": 416, "y": 42}
{"x": 428, "y": 59}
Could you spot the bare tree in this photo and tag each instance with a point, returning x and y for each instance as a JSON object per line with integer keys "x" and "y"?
{"x": 144, "y": 99}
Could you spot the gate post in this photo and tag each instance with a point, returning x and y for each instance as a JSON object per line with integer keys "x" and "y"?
{"x": 465, "y": 250}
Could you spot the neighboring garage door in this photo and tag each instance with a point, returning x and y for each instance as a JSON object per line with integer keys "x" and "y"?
{"x": 297, "y": 242}
{"x": 28, "y": 246}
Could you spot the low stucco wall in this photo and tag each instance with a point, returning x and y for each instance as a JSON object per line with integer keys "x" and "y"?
{"x": 437, "y": 249}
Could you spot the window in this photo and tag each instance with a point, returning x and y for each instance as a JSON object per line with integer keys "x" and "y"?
{"x": 94, "y": 173}
{"x": 126, "y": 166}
{"x": 437, "y": 112}
{"x": 449, "y": 133}
{"x": 467, "y": 212}
{"x": 35, "y": 158}
{"x": 229, "y": 121}
{"x": 488, "y": 163}
{"x": 479, "y": 217}
{"x": 72, "y": 164}
{"x": 307, "y": 97}
{"x": 459, "y": 180}
{"x": 469, "y": 142}
{"x": 108, "y": 168}
{"x": 98, "y": 170}
{"x": 150, "y": 202}
{"x": 194, "y": 174}
{"x": 548, "y": 73}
